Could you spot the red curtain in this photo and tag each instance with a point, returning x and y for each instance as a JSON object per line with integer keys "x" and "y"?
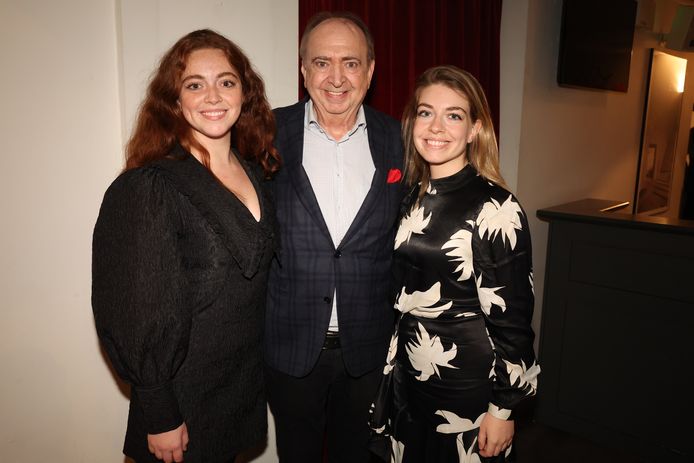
{"x": 413, "y": 35}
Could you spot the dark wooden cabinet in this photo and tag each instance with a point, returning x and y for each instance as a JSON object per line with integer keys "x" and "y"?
{"x": 617, "y": 336}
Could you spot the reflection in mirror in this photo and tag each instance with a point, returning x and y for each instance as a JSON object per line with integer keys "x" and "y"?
{"x": 687, "y": 207}
{"x": 654, "y": 182}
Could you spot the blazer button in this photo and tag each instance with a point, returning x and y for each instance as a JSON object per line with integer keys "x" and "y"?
{"x": 327, "y": 300}
{"x": 338, "y": 254}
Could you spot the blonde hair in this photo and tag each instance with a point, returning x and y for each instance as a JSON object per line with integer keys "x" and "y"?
{"x": 482, "y": 152}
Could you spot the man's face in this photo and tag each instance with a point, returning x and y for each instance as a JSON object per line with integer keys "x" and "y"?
{"x": 336, "y": 70}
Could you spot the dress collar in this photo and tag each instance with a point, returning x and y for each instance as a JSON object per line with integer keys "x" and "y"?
{"x": 226, "y": 215}
{"x": 453, "y": 182}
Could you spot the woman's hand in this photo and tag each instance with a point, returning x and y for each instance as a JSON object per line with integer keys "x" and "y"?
{"x": 495, "y": 435}
{"x": 169, "y": 446}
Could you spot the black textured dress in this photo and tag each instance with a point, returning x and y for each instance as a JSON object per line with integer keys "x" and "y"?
{"x": 463, "y": 345}
{"x": 180, "y": 271}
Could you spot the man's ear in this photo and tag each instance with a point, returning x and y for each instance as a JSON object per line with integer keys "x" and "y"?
{"x": 372, "y": 66}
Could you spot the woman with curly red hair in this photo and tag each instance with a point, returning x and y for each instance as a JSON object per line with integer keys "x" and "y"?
{"x": 181, "y": 253}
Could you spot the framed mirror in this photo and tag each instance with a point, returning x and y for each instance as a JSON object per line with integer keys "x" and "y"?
{"x": 654, "y": 180}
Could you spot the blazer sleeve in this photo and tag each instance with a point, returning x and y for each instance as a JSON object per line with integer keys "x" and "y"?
{"x": 138, "y": 291}
{"x": 503, "y": 257}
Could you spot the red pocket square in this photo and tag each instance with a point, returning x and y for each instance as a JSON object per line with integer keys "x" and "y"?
{"x": 394, "y": 175}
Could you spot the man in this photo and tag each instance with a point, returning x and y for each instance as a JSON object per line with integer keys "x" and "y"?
{"x": 329, "y": 314}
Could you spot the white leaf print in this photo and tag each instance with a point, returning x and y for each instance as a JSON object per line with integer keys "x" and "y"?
{"x": 525, "y": 377}
{"x": 492, "y": 371}
{"x": 532, "y": 282}
{"x": 467, "y": 456}
{"x": 379, "y": 430}
{"x": 504, "y": 219}
{"x": 501, "y": 413}
{"x": 392, "y": 350}
{"x": 397, "y": 450}
{"x": 413, "y": 222}
{"x": 466, "y": 314}
{"x": 460, "y": 425}
{"x": 421, "y": 303}
{"x": 431, "y": 190}
{"x": 461, "y": 242}
{"x": 488, "y": 296}
{"x": 460, "y": 446}
{"x": 455, "y": 423}
{"x": 427, "y": 354}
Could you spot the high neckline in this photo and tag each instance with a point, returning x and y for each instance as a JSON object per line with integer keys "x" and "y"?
{"x": 454, "y": 181}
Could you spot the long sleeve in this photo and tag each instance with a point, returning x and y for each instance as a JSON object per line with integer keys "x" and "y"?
{"x": 503, "y": 276}
{"x": 138, "y": 291}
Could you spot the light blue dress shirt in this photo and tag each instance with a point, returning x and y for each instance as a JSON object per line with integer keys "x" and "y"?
{"x": 340, "y": 172}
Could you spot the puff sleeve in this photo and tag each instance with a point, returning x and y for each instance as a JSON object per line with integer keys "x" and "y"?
{"x": 138, "y": 291}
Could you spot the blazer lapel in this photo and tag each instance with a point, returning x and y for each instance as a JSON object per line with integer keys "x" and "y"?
{"x": 378, "y": 183}
{"x": 297, "y": 175}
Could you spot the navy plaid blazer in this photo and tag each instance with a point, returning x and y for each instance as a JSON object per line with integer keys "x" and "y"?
{"x": 310, "y": 268}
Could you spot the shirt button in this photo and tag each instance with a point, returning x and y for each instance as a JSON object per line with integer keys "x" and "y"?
{"x": 327, "y": 300}
{"x": 338, "y": 254}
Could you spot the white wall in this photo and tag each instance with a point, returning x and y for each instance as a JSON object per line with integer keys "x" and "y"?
{"x": 267, "y": 31}
{"x": 67, "y": 86}
{"x": 61, "y": 134}
{"x": 574, "y": 143}
{"x": 514, "y": 24}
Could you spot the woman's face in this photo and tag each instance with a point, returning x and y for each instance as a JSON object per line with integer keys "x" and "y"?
{"x": 442, "y": 129}
{"x": 211, "y": 95}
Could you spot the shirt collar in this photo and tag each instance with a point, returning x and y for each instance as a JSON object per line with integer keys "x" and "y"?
{"x": 310, "y": 120}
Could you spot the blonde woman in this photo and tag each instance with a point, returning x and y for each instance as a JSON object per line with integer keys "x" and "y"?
{"x": 461, "y": 357}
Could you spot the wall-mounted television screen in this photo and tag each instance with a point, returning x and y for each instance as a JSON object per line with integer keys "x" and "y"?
{"x": 595, "y": 43}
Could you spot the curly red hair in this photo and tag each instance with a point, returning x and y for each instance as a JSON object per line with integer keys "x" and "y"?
{"x": 160, "y": 123}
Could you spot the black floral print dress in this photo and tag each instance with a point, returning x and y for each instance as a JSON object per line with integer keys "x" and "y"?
{"x": 463, "y": 346}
